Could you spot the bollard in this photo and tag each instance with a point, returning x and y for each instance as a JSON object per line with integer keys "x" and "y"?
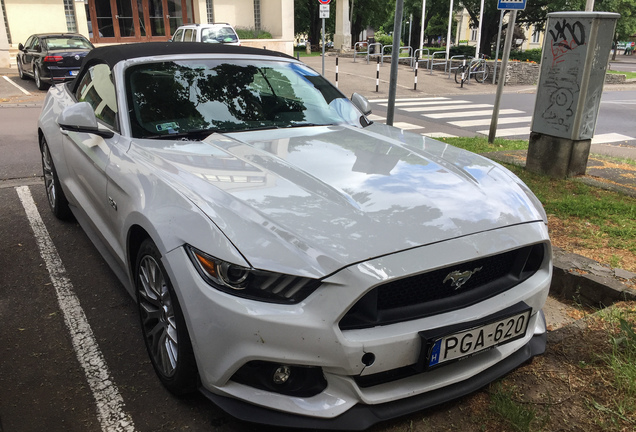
{"x": 415, "y": 84}
{"x": 336, "y": 71}
{"x": 377, "y": 76}
{"x": 463, "y": 72}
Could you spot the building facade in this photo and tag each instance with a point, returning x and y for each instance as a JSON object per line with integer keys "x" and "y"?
{"x": 125, "y": 21}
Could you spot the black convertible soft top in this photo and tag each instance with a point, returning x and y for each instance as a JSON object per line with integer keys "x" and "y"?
{"x": 113, "y": 54}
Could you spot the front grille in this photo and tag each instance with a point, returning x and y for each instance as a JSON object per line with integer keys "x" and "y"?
{"x": 428, "y": 294}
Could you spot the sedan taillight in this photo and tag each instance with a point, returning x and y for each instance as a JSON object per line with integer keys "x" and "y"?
{"x": 53, "y": 59}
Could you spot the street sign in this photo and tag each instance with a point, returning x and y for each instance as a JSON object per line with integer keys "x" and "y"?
{"x": 325, "y": 2}
{"x": 511, "y": 4}
{"x": 324, "y": 10}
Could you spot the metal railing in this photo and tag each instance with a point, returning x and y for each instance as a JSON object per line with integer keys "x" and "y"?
{"x": 360, "y": 48}
{"x": 374, "y": 50}
{"x": 451, "y": 68}
{"x": 401, "y": 50}
{"x": 434, "y": 63}
{"x": 420, "y": 57}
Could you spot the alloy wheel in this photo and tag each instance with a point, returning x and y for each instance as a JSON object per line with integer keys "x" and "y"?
{"x": 49, "y": 179}
{"x": 157, "y": 316}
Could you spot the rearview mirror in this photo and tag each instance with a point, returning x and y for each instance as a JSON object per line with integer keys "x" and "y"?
{"x": 361, "y": 103}
{"x": 81, "y": 118}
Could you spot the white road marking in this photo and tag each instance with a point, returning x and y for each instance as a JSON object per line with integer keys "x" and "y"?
{"x": 447, "y": 107}
{"x": 508, "y": 132}
{"x": 439, "y": 135}
{"x": 110, "y": 404}
{"x": 610, "y": 138}
{"x": 407, "y": 126}
{"x": 471, "y": 114}
{"x": 485, "y": 122}
{"x": 377, "y": 118}
{"x": 410, "y": 99}
{"x": 14, "y": 84}
{"x": 438, "y": 102}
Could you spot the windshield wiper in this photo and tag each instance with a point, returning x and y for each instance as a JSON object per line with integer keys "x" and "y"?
{"x": 188, "y": 134}
{"x": 295, "y": 125}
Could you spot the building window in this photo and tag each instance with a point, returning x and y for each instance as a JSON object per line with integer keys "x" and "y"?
{"x": 257, "y": 15}
{"x": 210, "y": 11}
{"x": 69, "y": 11}
{"x": 473, "y": 34}
{"x": 535, "y": 36}
{"x": 6, "y": 22}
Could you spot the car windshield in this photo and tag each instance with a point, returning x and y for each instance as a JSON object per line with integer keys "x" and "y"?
{"x": 193, "y": 96}
{"x": 68, "y": 43}
{"x": 218, "y": 34}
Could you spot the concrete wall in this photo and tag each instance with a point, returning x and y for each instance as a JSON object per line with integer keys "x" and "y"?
{"x": 27, "y": 17}
{"x": 236, "y": 13}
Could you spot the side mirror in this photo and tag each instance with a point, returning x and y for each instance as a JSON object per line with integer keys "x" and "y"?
{"x": 361, "y": 103}
{"x": 20, "y": 46}
{"x": 81, "y": 118}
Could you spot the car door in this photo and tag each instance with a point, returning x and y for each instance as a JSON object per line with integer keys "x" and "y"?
{"x": 88, "y": 155}
{"x": 30, "y": 53}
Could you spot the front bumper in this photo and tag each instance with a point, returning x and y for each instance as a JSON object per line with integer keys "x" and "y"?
{"x": 228, "y": 332}
{"x": 361, "y": 416}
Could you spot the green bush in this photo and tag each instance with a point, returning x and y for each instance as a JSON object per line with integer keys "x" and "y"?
{"x": 383, "y": 39}
{"x": 465, "y": 50}
{"x": 252, "y": 33}
{"x": 533, "y": 55}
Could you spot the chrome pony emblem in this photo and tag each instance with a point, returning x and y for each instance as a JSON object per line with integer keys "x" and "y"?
{"x": 458, "y": 278}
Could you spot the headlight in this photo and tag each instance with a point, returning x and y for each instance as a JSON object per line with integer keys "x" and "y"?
{"x": 251, "y": 283}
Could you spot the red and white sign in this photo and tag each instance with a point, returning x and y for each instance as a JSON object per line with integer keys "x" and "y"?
{"x": 324, "y": 1}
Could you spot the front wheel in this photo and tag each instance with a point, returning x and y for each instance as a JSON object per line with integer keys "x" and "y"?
{"x": 57, "y": 199}
{"x": 162, "y": 323}
{"x": 459, "y": 78}
{"x": 20, "y": 70}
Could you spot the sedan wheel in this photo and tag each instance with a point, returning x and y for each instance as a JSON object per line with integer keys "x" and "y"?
{"x": 20, "y": 70}
{"x": 38, "y": 79}
{"x": 57, "y": 199}
{"x": 164, "y": 330}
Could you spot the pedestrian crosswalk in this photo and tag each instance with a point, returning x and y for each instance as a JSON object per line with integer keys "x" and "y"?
{"x": 467, "y": 115}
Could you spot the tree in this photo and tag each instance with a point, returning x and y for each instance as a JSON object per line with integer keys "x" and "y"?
{"x": 536, "y": 14}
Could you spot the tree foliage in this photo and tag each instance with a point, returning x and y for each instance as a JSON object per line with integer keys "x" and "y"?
{"x": 379, "y": 15}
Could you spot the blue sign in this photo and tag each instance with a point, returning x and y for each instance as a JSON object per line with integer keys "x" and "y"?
{"x": 511, "y": 4}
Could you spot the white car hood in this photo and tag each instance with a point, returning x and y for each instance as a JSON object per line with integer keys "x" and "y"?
{"x": 312, "y": 200}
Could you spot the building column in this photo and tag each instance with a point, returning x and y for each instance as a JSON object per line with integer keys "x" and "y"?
{"x": 5, "y": 60}
{"x": 342, "y": 37}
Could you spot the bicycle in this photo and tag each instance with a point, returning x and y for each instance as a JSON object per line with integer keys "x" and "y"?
{"x": 477, "y": 68}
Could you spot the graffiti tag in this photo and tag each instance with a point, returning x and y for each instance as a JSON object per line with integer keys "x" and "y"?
{"x": 568, "y": 35}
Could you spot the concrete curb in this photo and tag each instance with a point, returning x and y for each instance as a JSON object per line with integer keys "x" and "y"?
{"x": 588, "y": 282}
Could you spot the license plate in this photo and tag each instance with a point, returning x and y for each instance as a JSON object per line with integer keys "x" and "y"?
{"x": 468, "y": 342}
{"x": 73, "y": 72}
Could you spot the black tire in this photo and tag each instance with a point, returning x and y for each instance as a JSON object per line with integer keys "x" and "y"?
{"x": 41, "y": 85}
{"x": 162, "y": 324}
{"x": 57, "y": 200}
{"x": 458, "y": 73}
{"x": 20, "y": 70}
{"x": 481, "y": 72}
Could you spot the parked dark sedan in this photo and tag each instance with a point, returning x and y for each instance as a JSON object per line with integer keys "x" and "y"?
{"x": 52, "y": 57}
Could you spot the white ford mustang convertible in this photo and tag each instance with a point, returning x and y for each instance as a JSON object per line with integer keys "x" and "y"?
{"x": 295, "y": 262}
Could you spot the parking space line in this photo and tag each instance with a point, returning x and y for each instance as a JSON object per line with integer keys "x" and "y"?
{"x": 110, "y": 404}
{"x": 14, "y": 84}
